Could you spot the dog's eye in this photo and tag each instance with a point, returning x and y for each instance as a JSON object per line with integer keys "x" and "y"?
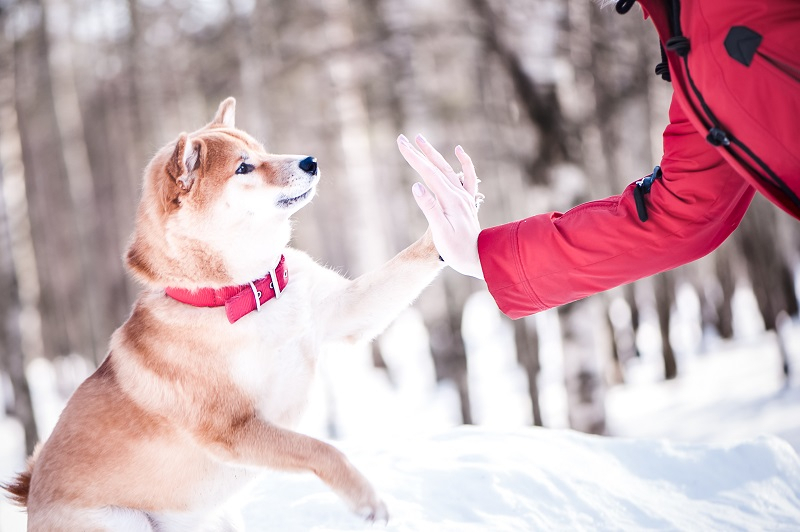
{"x": 245, "y": 168}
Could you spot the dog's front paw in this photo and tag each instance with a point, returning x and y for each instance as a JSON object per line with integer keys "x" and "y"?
{"x": 353, "y": 487}
{"x": 374, "y": 512}
{"x": 365, "y": 502}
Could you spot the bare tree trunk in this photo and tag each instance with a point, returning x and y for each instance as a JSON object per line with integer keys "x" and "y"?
{"x": 147, "y": 88}
{"x": 447, "y": 347}
{"x": 20, "y": 332}
{"x": 769, "y": 272}
{"x": 539, "y": 101}
{"x": 367, "y": 248}
{"x": 53, "y": 219}
{"x": 727, "y": 281}
{"x": 630, "y": 299}
{"x": 586, "y": 348}
{"x": 111, "y": 217}
{"x": 621, "y": 324}
{"x": 665, "y": 299}
{"x": 248, "y": 39}
{"x": 94, "y": 280}
{"x": 526, "y": 339}
{"x": 12, "y": 358}
{"x": 584, "y": 353}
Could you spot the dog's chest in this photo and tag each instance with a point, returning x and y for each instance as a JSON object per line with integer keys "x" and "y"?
{"x": 276, "y": 359}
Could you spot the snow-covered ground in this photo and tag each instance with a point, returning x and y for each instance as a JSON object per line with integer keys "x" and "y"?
{"x": 476, "y": 479}
{"x": 735, "y": 393}
{"x": 706, "y": 451}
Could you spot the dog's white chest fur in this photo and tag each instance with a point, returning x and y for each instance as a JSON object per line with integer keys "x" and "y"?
{"x": 276, "y": 365}
{"x": 278, "y": 346}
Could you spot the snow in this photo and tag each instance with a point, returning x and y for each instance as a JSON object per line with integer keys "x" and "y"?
{"x": 498, "y": 386}
{"x": 714, "y": 449}
{"x": 540, "y": 479}
{"x": 734, "y": 393}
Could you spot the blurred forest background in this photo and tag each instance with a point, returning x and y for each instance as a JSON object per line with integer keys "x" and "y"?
{"x": 555, "y": 100}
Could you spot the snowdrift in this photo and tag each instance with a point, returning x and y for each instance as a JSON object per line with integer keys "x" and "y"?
{"x": 473, "y": 479}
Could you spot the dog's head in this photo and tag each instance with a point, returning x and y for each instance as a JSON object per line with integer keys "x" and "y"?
{"x": 215, "y": 207}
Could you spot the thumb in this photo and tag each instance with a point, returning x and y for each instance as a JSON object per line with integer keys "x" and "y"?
{"x": 428, "y": 205}
{"x": 425, "y": 200}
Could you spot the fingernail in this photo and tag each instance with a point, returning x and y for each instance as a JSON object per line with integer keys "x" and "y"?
{"x": 402, "y": 138}
{"x": 418, "y": 190}
{"x": 421, "y": 139}
{"x": 459, "y": 149}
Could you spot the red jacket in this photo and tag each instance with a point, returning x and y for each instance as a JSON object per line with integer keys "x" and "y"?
{"x": 555, "y": 258}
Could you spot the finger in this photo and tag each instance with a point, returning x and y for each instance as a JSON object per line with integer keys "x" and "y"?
{"x": 438, "y": 160}
{"x": 430, "y": 208}
{"x": 470, "y": 176}
{"x": 432, "y": 176}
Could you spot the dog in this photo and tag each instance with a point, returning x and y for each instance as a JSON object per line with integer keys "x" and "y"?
{"x": 203, "y": 383}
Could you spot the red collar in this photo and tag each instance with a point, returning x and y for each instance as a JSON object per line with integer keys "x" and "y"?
{"x": 238, "y": 300}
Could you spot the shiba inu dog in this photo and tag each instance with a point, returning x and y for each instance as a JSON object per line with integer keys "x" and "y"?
{"x": 203, "y": 383}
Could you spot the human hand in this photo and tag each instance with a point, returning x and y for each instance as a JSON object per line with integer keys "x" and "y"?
{"x": 451, "y": 205}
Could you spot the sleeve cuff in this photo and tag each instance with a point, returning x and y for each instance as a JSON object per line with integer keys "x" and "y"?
{"x": 498, "y": 250}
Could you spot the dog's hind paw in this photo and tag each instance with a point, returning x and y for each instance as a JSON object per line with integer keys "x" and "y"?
{"x": 375, "y": 513}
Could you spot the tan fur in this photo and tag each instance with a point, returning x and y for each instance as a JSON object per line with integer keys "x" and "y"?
{"x": 187, "y": 408}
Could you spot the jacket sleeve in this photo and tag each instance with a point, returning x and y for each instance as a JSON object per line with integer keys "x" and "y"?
{"x": 551, "y": 259}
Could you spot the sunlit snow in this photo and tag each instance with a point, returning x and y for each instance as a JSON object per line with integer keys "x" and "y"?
{"x": 714, "y": 449}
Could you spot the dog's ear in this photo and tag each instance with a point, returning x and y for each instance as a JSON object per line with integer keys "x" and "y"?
{"x": 182, "y": 169}
{"x": 186, "y": 160}
{"x": 226, "y": 113}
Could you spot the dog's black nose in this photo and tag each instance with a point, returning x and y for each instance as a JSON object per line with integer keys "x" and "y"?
{"x": 309, "y": 165}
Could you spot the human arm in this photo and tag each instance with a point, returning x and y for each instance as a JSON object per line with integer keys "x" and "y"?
{"x": 551, "y": 259}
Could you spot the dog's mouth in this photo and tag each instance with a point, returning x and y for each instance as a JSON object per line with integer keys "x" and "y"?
{"x": 288, "y": 202}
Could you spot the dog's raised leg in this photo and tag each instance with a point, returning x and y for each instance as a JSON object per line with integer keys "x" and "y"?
{"x": 258, "y": 443}
{"x": 364, "y": 307}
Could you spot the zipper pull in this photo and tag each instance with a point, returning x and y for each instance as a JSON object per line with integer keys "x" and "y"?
{"x": 642, "y": 188}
